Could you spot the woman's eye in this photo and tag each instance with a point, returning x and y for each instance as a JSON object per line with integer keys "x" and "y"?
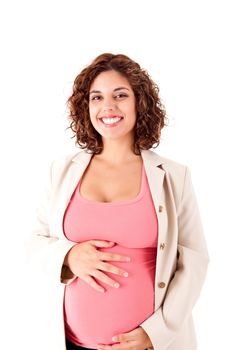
{"x": 96, "y": 98}
{"x": 120, "y": 96}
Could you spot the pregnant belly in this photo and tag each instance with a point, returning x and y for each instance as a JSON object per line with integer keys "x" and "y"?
{"x": 93, "y": 318}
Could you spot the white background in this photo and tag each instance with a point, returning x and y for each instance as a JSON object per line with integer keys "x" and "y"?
{"x": 187, "y": 48}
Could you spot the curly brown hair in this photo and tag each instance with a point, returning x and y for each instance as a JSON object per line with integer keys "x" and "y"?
{"x": 151, "y": 112}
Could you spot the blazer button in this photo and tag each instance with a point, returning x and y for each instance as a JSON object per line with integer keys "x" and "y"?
{"x": 162, "y": 245}
{"x": 160, "y": 208}
{"x": 162, "y": 284}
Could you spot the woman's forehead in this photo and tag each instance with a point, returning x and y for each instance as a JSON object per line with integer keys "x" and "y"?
{"x": 110, "y": 80}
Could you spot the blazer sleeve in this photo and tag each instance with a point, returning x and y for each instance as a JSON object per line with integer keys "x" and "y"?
{"x": 44, "y": 251}
{"x": 185, "y": 286}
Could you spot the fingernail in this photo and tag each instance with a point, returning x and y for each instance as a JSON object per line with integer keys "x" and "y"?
{"x": 116, "y": 285}
{"x": 128, "y": 259}
{"x": 126, "y": 274}
{"x": 102, "y": 290}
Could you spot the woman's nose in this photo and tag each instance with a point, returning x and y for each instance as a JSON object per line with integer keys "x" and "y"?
{"x": 108, "y": 105}
{"x": 108, "y": 109}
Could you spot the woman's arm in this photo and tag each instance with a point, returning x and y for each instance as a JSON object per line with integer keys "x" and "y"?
{"x": 44, "y": 251}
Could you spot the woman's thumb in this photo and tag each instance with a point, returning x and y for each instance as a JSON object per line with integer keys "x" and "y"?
{"x": 102, "y": 244}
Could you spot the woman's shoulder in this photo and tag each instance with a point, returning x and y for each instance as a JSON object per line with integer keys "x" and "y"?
{"x": 59, "y": 164}
{"x": 175, "y": 170}
{"x": 76, "y": 156}
{"x": 166, "y": 163}
{"x": 177, "y": 174}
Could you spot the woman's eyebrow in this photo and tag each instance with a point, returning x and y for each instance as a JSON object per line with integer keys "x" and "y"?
{"x": 117, "y": 89}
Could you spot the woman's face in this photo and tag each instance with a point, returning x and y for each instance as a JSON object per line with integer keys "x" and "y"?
{"x": 112, "y": 106}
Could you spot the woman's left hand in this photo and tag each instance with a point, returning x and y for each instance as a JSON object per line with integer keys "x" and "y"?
{"x": 134, "y": 340}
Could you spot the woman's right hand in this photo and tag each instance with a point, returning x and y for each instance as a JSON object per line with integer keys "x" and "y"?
{"x": 86, "y": 261}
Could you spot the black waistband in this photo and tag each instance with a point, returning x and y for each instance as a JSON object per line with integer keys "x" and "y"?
{"x": 72, "y": 346}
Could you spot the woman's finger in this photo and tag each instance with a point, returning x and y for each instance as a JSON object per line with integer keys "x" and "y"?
{"x": 111, "y": 268}
{"x": 89, "y": 280}
{"x": 112, "y": 257}
{"x": 101, "y": 244}
{"x": 104, "y": 278}
{"x": 120, "y": 346}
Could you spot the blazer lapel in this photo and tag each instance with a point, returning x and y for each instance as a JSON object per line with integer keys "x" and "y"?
{"x": 156, "y": 178}
{"x": 75, "y": 171}
{"x": 155, "y": 175}
{"x": 77, "y": 168}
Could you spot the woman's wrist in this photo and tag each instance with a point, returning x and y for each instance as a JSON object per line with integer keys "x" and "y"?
{"x": 66, "y": 259}
{"x": 65, "y": 262}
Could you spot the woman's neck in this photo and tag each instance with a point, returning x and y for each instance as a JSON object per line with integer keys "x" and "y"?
{"x": 117, "y": 152}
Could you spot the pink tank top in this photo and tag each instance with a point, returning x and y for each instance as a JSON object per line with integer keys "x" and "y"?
{"x": 91, "y": 317}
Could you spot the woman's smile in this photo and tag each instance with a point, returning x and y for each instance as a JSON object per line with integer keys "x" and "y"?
{"x": 111, "y": 121}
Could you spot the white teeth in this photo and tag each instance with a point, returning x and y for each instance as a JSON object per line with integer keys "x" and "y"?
{"x": 111, "y": 120}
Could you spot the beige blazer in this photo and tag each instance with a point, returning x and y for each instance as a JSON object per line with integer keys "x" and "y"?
{"x": 182, "y": 256}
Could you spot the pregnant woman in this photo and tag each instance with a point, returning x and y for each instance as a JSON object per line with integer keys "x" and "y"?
{"x": 118, "y": 232}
